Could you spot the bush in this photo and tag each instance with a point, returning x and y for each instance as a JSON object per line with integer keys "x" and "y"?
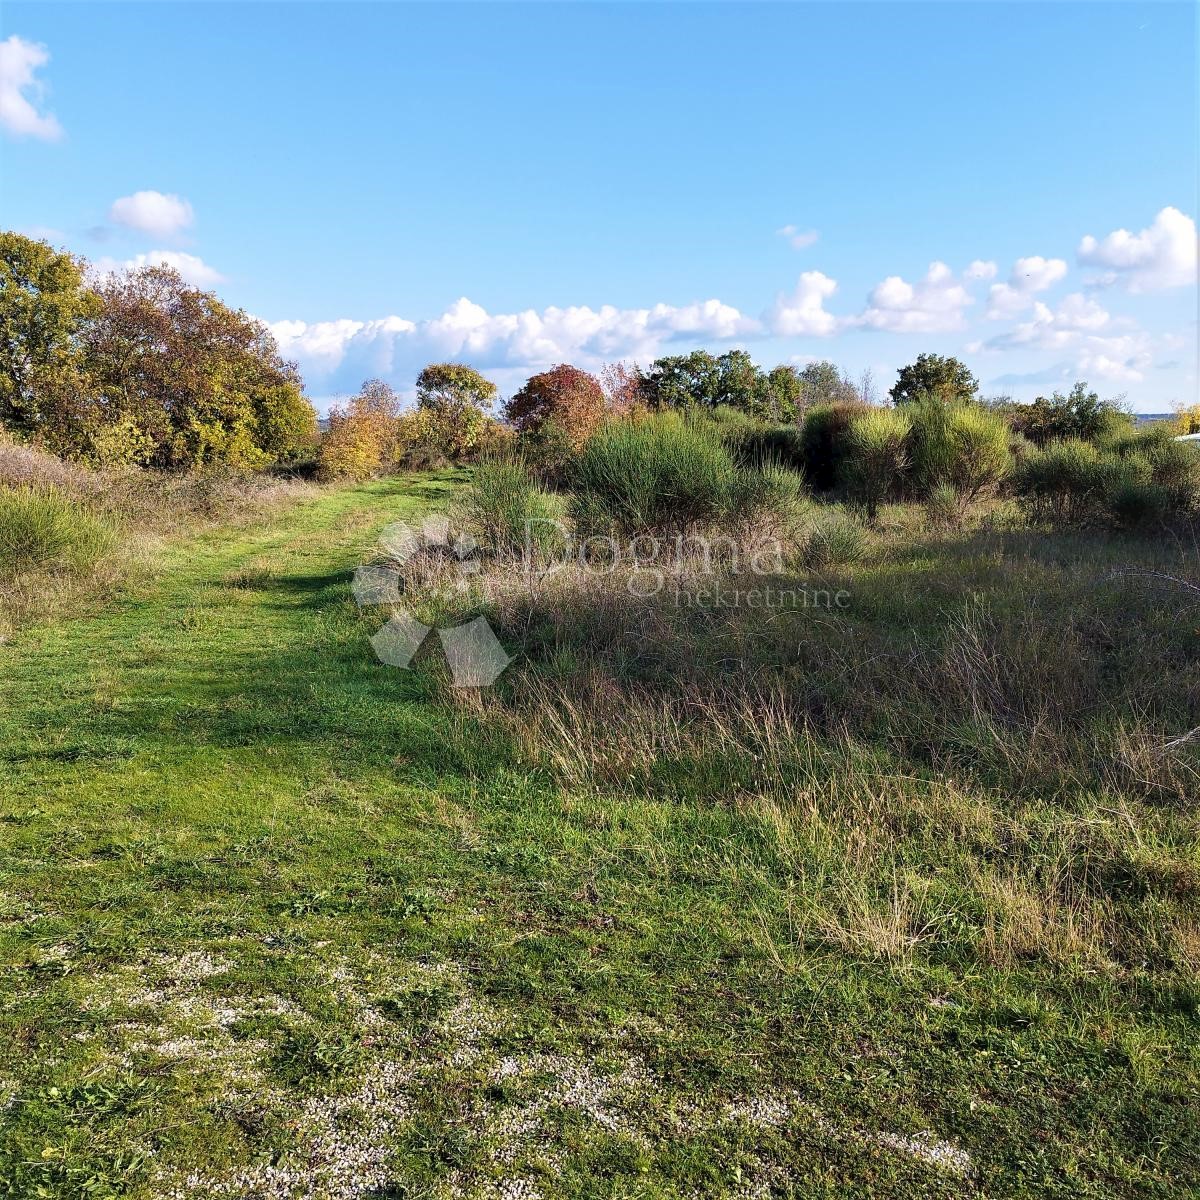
{"x": 509, "y": 512}
{"x": 1064, "y": 483}
{"x": 45, "y": 528}
{"x": 1140, "y": 479}
{"x": 364, "y": 434}
{"x": 835, "y": 542}
{"x": 962, "y": 446}
{"x": 878, "y": 456}
{"x": 659, "y": 474}
{"x": 824, "y": 442}
{"x": 1078, "y": 415}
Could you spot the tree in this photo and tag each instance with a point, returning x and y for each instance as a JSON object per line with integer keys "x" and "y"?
{"x": 624, "y": 386}
{"x": 564, "y": 401}
{"x": 364, "y": 436}
{"x": 679, "y": 380}
{"x": 822, "y": 383}
{"x": 779, "y": 393}
{"x": 738, "y": 381}
{"x": 1079, "y": 414}
{"x": 452, "y": 399}
{"x": 197, "y": 381}
{"x": 947, "y": 379}
{"x": 1187, "y": 420}
{"x": 702, "y": 380}
{"x": 43, "y": 307}
{"x": 451, "y": 387}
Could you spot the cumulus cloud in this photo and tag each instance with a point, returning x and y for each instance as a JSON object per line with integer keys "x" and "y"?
{"x": 21, "y": 91}
{"x": 1081, "y": 327}
{"x": 1161, "y": 256}
{"x": 1028, "y": 277}
{"x": 341, "y": 353}
{"x": 934, "y": 304}
{"x": 802, "y": 313}
{"x": 194, "y": 270}
{"x": 152, "y": 212}
{"x": 980, "y": 269}
{"x": 1051, "y": 329}
{"x": 798, "y": 238}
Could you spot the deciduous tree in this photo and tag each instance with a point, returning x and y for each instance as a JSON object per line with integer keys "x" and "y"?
{"x": 945, "y": 378}
{"x": 565, "y": 398}
{"x": 199, "y": 381}
{"x": 43, "y": 307}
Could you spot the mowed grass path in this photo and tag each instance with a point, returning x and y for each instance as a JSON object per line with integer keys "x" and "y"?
{"x": 277, "y": 922}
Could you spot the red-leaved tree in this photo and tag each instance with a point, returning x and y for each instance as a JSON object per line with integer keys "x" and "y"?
{"x": 563, "y": 402}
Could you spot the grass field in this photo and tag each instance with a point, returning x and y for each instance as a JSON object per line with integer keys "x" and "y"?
{"x": 281, "y": 921}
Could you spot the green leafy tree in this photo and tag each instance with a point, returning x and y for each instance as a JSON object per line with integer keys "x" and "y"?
{"x": 739, "y": 381}
{"x": 1079, "y": 414}
{"x": 452, "y": 403}
{"x": 945, "y": 378}
{"x": 448, "y": 388}
{"x": 680, "y": 380}
{"x": 704, "y": 380}
{"x": 780, "y": 393}
{"x": 43, "y": 307}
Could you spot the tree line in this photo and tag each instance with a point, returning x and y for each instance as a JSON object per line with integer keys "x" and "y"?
{"x": 137, "y": 368}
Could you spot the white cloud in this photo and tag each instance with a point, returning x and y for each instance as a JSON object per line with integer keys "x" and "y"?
{"x": 802, "y": 314}
{"x": 194, "y": 270}
{"x": 152, "y": 212}
{"x": 934, "y": 304}
{"x": 341, "y": 353}
{"x": 980, "y": 269}
{"x": 1080, "y": 326}
{"x": 1095, "y": 363}
{"x": 798, "y": 238}
{"x": 1162, "y": 256}
{"x": 1028, "y": 277}
{"x": 1052, "y": 329}
{"x": 20, "y": 90}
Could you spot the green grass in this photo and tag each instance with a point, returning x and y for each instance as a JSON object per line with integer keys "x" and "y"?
{"x": 45, "y": 528}
{"x": 275, "y": 915}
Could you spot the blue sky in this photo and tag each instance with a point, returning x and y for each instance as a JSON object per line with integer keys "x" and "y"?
{"x": 520, "y": 185}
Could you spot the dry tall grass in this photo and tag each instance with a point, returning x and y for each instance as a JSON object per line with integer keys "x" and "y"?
{"x": 984, "y": 755}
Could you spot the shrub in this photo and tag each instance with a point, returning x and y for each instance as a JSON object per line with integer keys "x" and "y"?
{"x": 835, "y": 542}
{"x": 824, "y": 442}
{"x": 1079, "y": 414}
{"x": 943, "y": 506}
{"x": 1063, "y": 483}
{"x": 1134, "y": 503}
{"x": 962, "y": 446}
{"x": 45, "y": 528}
{"x": 509, "y": 512}
{"x": 364, "y": 434}
{"x": 661, "y": 473}
{"x": 878, "y": 456}
{"x": 1139, "y": 479}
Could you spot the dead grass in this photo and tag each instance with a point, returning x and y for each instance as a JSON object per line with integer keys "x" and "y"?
{"x": 977, "y": 758}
